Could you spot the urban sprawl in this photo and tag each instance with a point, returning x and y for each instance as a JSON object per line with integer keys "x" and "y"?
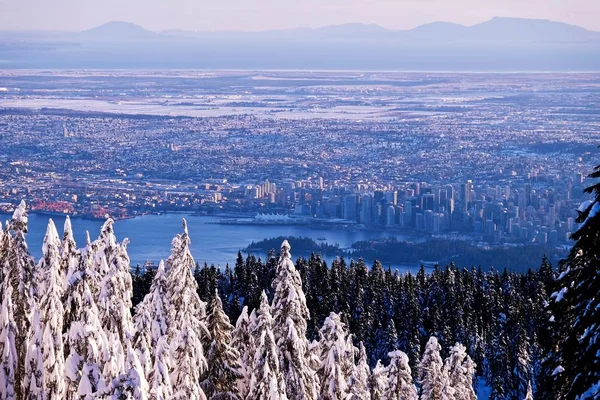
{"x": 495, "y": 158}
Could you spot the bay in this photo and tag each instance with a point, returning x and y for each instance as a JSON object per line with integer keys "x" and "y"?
{"x": 150, "y": 236}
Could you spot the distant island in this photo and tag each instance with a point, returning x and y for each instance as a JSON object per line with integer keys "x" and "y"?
{"x": 302, "y": 245}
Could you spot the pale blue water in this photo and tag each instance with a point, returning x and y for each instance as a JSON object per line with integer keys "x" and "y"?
{"x": 150, "y": 236}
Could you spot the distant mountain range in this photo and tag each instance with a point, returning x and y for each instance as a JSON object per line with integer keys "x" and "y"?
{"x": 496, "y": 29}
{"x": 498, "y": 44}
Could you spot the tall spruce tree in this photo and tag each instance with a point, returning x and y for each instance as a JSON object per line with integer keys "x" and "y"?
{"x": 266, "y": 382}
{"x": 19, "y": 275}
{"x": 150, "y": 320}
{"x": 114, "y": 299}
{"x": 221, "y": 379}
{"x": 50, "y": 259}
{"x": 79, "y": 279}
{"x": 335, "y": 365}
{"x": 88, "y": 348}
{"x": 45, "y": 357}
{"x": 186, "y": 322}
{"x": 460, "y": 370}
{"x": 52, "y": 314}
{"x": 358, "y": 382}
{"x": 290, "y": 315}
{"x": 378, "y": 381}
{"x": 434, "y": 381}
{"x": 159, "y": 379}
{"x": 68, "y": 250}
{"x": 399, "y": 378}
{"x": 577, "y": 308}
{"x": 242, "y": 340}
{"x": 34, "y": 362}
{"x": 131, "y": 384}
{"x": 8, "y": 350}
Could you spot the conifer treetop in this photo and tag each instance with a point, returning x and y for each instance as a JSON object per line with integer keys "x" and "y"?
{"x": 51, "y": 237}
{"x": 185, "y": 226}
{"x": 19, "y": 218}
{"x": 68, "y": 229}
{"x": 285, "y": 249}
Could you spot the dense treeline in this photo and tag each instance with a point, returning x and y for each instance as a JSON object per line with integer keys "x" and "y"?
{"x": 444, "y": 251}
{"x": 67, "y": 331}
{"x": 499, "y": 316}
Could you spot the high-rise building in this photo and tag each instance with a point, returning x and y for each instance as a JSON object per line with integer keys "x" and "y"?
{"x": 408, "y": 210}
{"x": 467, "y": 190}
{"x": 392, "y": 197}
{"x": 349, "y": 207}
{"x": 420, "y": 222}
{"x": 427, "y": 201}
{"x": 391, "y": 216}
{"x": 366, "y": 209}
{"x": 522, "y": 199}
{"x": 551, "y": 216}
{"x": 428, "y": 220}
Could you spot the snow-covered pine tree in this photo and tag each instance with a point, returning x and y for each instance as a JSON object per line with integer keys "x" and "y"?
{"x": 88, "y": 347}
{"x": 399, "y": 378}
{"x": 150, "y": 320}
{"x": 576, "y": 308}
{"x": 114, "y": 305}
{"x": 434, "y": 382}
{"x": 460, "y": 369}
{"x": 131, "y": 384}
{"x": 160, "y": 381}
{"x": 386, "y": 340}
{"x": 52, "y": 312}
{"x": 101, "y": 253}
{"x": 79, "y": 277}
{"x": 8, "y": 350}
{"x": 114, "y": 299}
{"x": 186, "y": 325}
{"x": 68, "y": 250}
{"x": 4, "y": 245}
{"x": 50, "y": 258}
{"x": 45, "y": 357}
{"x": 497, "y": 361}
{"x": 413, "y": 323}
{"x": 359, "y": 379}
{"x": 266, "y": 381}
{"x": 33, "y": 381}
{"x": 335, "y": 365}
{"x": 113, "y": 359}
{"x": 243, "y": 341}
{"x": 290, "y": 316}
{"x": 221, "y": 379}
{"x": 19, "y": 275}
{"x": 98, "y": 267}
{"x": 522, "y": 363}
{"x": 378, "y": 381}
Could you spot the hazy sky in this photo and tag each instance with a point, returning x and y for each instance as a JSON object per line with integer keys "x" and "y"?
{"x": 211, "y": 15}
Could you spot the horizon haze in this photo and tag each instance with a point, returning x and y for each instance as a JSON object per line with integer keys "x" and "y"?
{"x": 499, "y": 44}
{"x": 258, "y": 15}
